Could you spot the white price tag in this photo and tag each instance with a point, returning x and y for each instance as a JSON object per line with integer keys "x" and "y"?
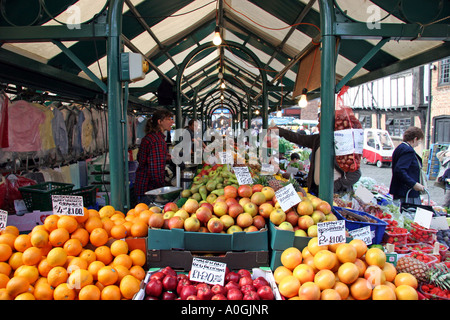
{"x": 423, "y": 217}
{"x": 348, "y": 141}
{"x": 3, "y": 219}
{"x": 225, "y": 158}
{"x": 362, "y": 233}
{"x": 267, "y": 169}
{"x": 68, "y": 205}
{"x": 331, "y": 232}
{"x": 287, "y": 197}
{"x": 211, "y": 272}
{"x": 243, "y": 176}
{"x": 365, "y": 194}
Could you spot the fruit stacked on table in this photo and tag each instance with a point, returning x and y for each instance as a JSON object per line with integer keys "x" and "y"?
{"x": 71, "y": 258}
{"x": 340, "y": 272}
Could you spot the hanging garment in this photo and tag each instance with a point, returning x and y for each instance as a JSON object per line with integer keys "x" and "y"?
{"x": 59, "y": 130}
{"x": 70, "y": 120}
{"x": 45, "y": 128}
{"x": 87, "y": 132}
{"x": 4, "y": 102}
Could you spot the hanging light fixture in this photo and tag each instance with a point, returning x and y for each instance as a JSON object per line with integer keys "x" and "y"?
{"x": 217, "y": 40}
{"x": 222, "y": 85}
{"x": 303, "y": 102}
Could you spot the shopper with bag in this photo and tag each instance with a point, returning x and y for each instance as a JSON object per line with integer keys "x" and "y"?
{"x": 407, "y": 171}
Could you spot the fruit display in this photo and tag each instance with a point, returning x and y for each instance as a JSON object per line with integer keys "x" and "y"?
{"x": 242, "y": 284}
{"x": 417, "y": 233}
{"x": 345, "y": 271}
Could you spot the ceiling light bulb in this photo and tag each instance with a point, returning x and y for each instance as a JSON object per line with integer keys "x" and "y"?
{"x": 303, "y": 102}
{"x": 222, "y": 85}
{"x": 217, "y": 40}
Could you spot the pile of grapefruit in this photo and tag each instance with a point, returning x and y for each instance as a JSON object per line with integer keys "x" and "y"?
{"x": 74, "y": 257}
{"x": 344, "y": 271}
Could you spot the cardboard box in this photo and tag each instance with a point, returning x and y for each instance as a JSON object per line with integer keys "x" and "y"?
{"x": 165, "y": 239}
{"x": 29, "y": 220}
{"x": 182, "y": 260}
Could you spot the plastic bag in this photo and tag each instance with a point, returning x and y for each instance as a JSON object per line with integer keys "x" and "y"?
{"x": 348, "y": 136}
{"x": 9, "y": 190}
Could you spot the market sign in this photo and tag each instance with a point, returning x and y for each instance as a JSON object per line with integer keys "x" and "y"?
{"x": 331, "y": 232}
{"x": 211, "y": 272}
{"x": 3, "y": 219}
{"x": 287, "y": 197}
{"x": 68, "y": 205}
{"x": 363, "y": 234}
{"x": 243, "y": 176}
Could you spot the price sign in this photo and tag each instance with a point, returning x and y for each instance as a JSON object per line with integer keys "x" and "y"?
{"x": 267, "y": 169}
{"x": 362, "y": 233}
{"x": 68, "y": 205}
{"x": 211, "y": 272}
{"x": 331, "y": 232}
{"x": 225, "y": 158}
{"x": 287, "y": 197}
{"x": 3, "y": 219}
{"x": 243, "y": 176}
{"x": 423, "y": 217}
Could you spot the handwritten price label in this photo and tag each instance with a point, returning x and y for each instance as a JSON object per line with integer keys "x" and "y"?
{"x": 3, "y": 219}
{"x": 211, "y": 272}
{"x": 68, "y": 205}
{"x": 363, "y": 234}
{"x": 267, "y": 169}
{"x": 225, "y": 158}
{"x": 331, "y": 232}
{"x": 287, "y": 197}
{"x": 243, "y": 176}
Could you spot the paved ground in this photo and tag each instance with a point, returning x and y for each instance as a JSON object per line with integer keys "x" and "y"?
{"x": 383, "y": 176}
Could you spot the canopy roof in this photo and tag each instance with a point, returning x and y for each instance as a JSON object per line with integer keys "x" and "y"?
{"x": 69, "y": 58}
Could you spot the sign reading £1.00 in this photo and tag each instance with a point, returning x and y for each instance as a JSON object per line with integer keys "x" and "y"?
{"x": 331, "y": 232}
{"x": 211, "y": 272}
{"x": 68, "y": 205}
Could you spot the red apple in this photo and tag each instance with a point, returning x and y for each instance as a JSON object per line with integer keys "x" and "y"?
{"x": 245, "y": 280}
{"x": 220, "y": 208}
{"x": 219, "y": 296}
{"x": 188, "y": 290}
{"x": 203, "y": 214}
{"x": 215, "y": 225}
{"x": 259, "y": 222}
{"x": 260, "y": 282}
{"x": 234, "y": 294}
{"x": 232, "y": 276}
{"x": 151, "y": 298}
{"x": 265, "y": 209}
{"x": 159, "y": 275}
{"x": 265, "y": 293}
{"x": 248, "y": 287}
{"x": 251, "y": 295}
{"x": 171, "y": 206}
{"x": 245, "y": 191}
{"x": 182, "y": 283}
{"x": 235, "y": 209}
{"x": 292, "y": 217}
{"x": 207, "y": 204}
{"x": 169, "y": 271}
{"x": 170, "y": 283}
{"x": 230, "y": 192}
{"x": 154, "y": 288}
{"x": 244, "y": 273}
{"x": 192, "y": 297}
{"x": 168, "y": 295}
{"x": 244, "y": 220}
{"x": 231, "y": 285}
{"x": 176, "y": 222}
{"x": 257, "y": 187}
{"x": 204, "y": 293}
{"x": 251, "y": 208}
{"x": 251, "y": 228}
{"x": 231, "y": 201}
{"x": 219, "y": 289}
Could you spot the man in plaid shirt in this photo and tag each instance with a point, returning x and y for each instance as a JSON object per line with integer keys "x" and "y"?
{"x": 153, "y": 153}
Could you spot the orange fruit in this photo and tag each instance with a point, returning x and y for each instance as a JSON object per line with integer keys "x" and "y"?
{"x": 92, "y": 223}
{"x": 67, "y": 222}
{"x": 291, "y": 257}
{"x": 64, "y": 292}
{"x": 58, "y": 237}
{"x": 57, "y": 257}
{"x": 138, "y": 257}
{"x": 93, "y": 213}
{"x": 280, "y": 272}
{"x": 360, "y": 246}
{"x": 306, "y": 253}
{"x": 375, "y": 257}
{"x": 107, "y": 275}
{"x": 361, "y": 289}
{"x": 129, "y": 286}
{"x": 119, "y": 247}
{"x": 22, "y": 242}
{"x": 309, "y": 291}
{"x": 15, "y": 260}
{"x": 138, "y": 272}
{"x": 111, "y": 292}
{"x": 3, "y": 280}
{"x": 313, "y": 246}
{"x": 8, "y": 238}
{"x": 11, "y": 229}
{"x": 139, "y": 229}
{"x": 89, "y": 292}
{"x": 73, "y": 247}
{"x": 383, "y": 292}
{"x": 103, "y": 254}
{"x": 43, "y": 291}
{"x": 361, "y": 266}
{"x": 94, "y": 267}
{"x": 39, "y": 227}
{"x": 5, "y": 252}
{"x": 342, "y": 289}
{"x": 348, "y": 273}
{"x": 5, "y": 268}
{"x": 76, "y": 263}
{"x": 39, "y": 238}
{"x": 310, "y": 262}
{"x": 32, "y": 256}
{"x": 325, "y": 259}
{"x": 304, "y": 273}
{"x": 406, "y": 279}
{"x": 375, "y": 275}
{"x": 122, "y": 271}
{"x": 98, "y": 237}
{"x": 330, "y": 294}
{"x": 82, "y": 235}
{"x": 88, "y": 255}
{"x": 346, "y": 253}
{"x": 124, "y": 260}
{"x": 118, "y": 231}
{"x": 140, "y": 207}
{"x": 405, "y": 292}
{"x": 80, "y": 278}
{"x": 325, "y": 279}
{"x": 31, "y": 273}
{"x": 145, "y": 215}
{"x": 25, "y": 296}
{"x": 51, "y": 222}
{"x": 84, "y": 217}
{"x": 289, "y": 286}
{"x": 108, "y": 224}
{"x": 56, "y": 276}
{"x": 17, "y": 285}
{"x": 46, "y": 249}
{"x": 4, "y": 295}
{"x": 389, "y": 271}
{"x": 106, "y": 211}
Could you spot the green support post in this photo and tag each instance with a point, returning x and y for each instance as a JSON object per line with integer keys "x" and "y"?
{"x": 328, "y": 76}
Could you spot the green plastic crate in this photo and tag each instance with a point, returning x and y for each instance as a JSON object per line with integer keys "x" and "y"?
{"x": 88, "y": 193}
{"x": 39, "y": 196}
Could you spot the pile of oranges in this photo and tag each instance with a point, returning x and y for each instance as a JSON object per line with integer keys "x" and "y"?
{"x": 74, "y": 257}
{"x": 345, "y": 271}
